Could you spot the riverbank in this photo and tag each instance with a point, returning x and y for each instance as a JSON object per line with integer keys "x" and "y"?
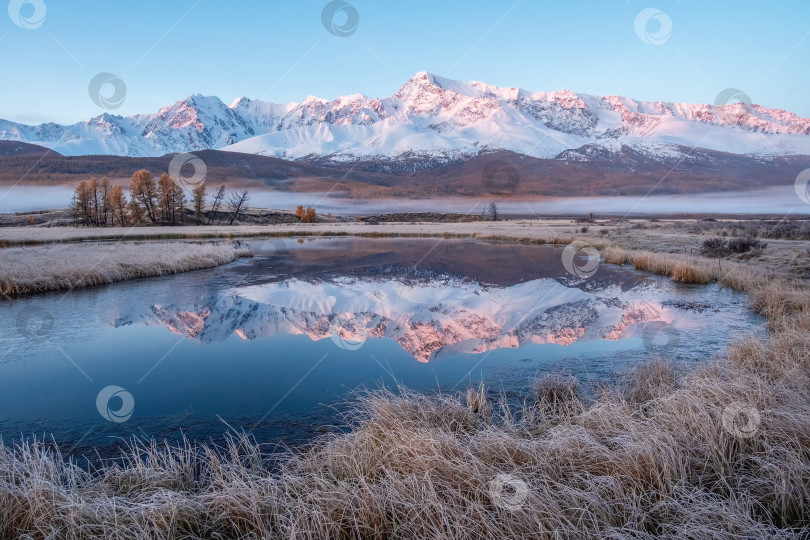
{"x": 52, "y": 267}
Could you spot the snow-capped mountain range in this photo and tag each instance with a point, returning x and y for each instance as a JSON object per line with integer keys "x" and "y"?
{"x": 433, "y": 117}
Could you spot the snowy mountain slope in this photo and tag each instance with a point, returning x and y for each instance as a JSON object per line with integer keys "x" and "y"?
{"x": 433, "y": 117}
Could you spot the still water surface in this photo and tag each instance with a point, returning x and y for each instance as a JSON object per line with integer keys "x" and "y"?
{"x": 277, "y": 345}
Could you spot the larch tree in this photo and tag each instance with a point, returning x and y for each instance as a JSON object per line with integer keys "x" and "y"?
{"x": 307, "y": 216}
{"x": 118, "y": 205}
{"x": 81, "y": 204}
{"x": 104, "y": 188}
{"x": 143, "y": 194}
{"x": 198, "y": 201}
{"x": 178, "y": 204}
{"x": 165, "y": 197}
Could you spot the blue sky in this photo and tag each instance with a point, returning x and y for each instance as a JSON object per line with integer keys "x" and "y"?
{"x": 281, "y": 51}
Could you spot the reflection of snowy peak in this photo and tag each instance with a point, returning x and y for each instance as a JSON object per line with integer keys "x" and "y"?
{"x": 429, "y": 116}
{"x": 426, "y": 320}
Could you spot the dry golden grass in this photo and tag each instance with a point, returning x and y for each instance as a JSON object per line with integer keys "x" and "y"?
{"x": 666, "y": 465}
{"x": 722, "y": 454}
{"x": 66, "y": 266}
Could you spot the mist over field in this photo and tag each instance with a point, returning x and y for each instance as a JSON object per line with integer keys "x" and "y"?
{"x": 27, "y": 198}
{"x": 777, "y": 200}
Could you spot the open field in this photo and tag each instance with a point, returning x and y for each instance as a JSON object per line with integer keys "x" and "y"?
{"x": 722, "y": 453}
{"x": 53, "y": 267}
{"x": 788, "y": 258}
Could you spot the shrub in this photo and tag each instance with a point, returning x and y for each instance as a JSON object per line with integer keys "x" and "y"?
{"x": 306, "y": 216}
{"x": 720, "y": 247}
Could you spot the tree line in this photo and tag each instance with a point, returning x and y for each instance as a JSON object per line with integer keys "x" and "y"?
{"x": 98, "y": 203}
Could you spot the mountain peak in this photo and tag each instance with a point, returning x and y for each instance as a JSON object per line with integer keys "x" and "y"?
{"x": 240, "y": 102}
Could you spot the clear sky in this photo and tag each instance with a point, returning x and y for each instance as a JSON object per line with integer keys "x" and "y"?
{"x": 280, "y": 51}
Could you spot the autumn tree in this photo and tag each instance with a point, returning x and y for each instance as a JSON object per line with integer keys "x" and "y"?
{"x": 118, "y": 205}
{"x": 171, "y": 200}
{"x": 90, "y": 205}
{"x": 307, "y": 216}
{"x": 198, "y": 195}
{"x": 135, "y": 212}
{"x": 143, "y": 195}
{"x": 95, "y": 201}
{"x": 103, "y": 188}
{"x": 178, "y": 204}
{"x": 81, "y": 204}
{"x": 165, "y": 197}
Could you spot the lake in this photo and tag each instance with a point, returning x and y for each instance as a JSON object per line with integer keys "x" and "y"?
{"x": 278, "y": 345}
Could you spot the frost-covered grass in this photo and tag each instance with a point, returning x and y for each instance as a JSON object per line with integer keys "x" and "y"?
{"x": 724, "y": 452}
{"x": 52, "y": 267}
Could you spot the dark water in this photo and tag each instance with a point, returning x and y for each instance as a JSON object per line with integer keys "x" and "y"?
{"x": 277, "y": 345}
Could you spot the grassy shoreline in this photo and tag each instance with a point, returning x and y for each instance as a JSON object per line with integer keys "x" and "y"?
{"x": 53, "y": 267}
{"x": 658, "y": 459}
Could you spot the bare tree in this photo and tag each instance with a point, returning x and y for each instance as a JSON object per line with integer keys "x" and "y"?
{"x": 217, "y": 204}
{"x": 493, "y": 211}
{"x": 237, "y": 203}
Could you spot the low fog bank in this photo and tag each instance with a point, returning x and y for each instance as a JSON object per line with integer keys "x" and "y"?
{"x": 30, "y": 198}
{"x": 776, "y": 200}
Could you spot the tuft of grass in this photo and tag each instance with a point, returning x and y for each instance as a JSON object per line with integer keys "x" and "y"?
{"x": 652, "y": 380}
{"x": 556, "y": 397}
